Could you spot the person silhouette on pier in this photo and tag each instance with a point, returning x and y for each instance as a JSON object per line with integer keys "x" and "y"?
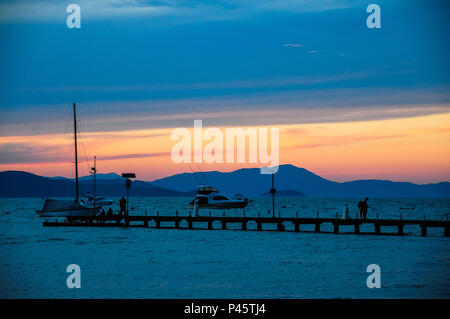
{"x": 102, "y": 215}
{"x": 345, "y": 212}
{"x": 363, "y": 207}
{"x": 109, "y": 214}
{"x": 123, "y": 207}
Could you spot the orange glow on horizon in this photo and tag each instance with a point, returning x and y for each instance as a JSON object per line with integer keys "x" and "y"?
{"x": 412, "y": 149}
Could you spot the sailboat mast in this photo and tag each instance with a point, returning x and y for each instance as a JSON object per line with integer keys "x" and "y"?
{"x": 76, "y": 151}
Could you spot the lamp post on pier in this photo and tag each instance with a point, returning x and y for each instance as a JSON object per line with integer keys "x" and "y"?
{"x": 128, "y": 177}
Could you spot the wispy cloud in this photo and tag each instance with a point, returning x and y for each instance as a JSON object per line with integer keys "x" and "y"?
{"x": 30, "y": 152}
{"x": 324, "y": 141}
{"x": 293, "y": 45}
{"x": 235, "y": 84}
{"x": 285, "y": 107}
{"x": 52, "y": 10}
{"x": 25, "y": 152}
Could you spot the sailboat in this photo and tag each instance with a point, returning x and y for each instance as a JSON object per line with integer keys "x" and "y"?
{"x": 66, "y": 208}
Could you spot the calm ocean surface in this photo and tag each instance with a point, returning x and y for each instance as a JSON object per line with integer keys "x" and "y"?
{"x": 168, "y": 263}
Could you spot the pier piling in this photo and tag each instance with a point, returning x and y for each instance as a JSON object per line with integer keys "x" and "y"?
{"x": 356, "y": 228}
{"x": 317, "y": 227}
{"x": 423, "y": 230}
{"x": 336, "y": 228}
{"x": 400, "y": 229}
{"x": 377, "y": 228}
{"x": 280, "y": 226}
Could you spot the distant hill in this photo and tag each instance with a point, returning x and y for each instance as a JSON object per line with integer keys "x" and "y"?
{"x": 285, "y": 193}
{"x": 250, "y": 182}
{"x": 99, "y": 177}
{"x": 23, "y": 184}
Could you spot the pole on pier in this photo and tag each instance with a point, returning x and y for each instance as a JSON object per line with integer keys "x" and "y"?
{"x": 94, "y": 172}
{"x": 273, "y": 192}
{"x": 128, "y": 177}
{"x": 158, "y": 222}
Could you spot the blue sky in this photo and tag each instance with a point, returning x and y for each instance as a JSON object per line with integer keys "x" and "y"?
{"x": 172, "y": 57}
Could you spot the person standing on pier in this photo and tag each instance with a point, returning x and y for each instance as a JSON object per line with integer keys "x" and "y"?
{"x": 363, "y": 207}
{"x": 123, "y": 207}
{"x": 345, "y": 212}
{"x": 102, "y": 215}
{"x": 110, "y": 214}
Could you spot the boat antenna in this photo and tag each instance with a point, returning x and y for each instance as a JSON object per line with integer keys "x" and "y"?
{"x": 76, "y": 150}
{"x": 203, "y": 175}
{"x": 193, "y": 174}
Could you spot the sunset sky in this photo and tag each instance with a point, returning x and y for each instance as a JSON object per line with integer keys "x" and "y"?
{"x": 350, "y": 102}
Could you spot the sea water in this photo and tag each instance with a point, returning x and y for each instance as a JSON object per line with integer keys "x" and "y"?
{"x": 171, "y": 263}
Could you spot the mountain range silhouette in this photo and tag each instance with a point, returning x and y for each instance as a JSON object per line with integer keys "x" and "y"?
{"x": 289, "y": 181}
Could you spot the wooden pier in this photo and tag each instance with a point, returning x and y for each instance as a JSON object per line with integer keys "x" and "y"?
{"x": 176, "y": 221}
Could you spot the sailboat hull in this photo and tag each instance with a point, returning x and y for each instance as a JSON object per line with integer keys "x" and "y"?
{"x": 65, "y": 208}
{"x": 228, "y": 204}
{"x": 75, "y": 213}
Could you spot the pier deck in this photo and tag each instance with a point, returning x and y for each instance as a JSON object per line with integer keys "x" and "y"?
{"x": 176, "y": 221}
